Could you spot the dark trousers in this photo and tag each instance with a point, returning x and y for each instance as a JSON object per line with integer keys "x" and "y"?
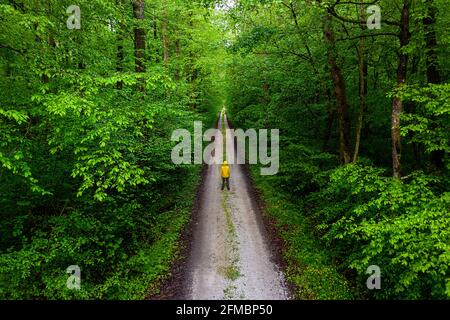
{"x": 226, "y": 181}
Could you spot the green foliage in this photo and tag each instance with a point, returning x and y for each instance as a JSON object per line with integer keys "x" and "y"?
{"x": 85, "y": 171}
{"x": 401, "y": 226}
{"x": 429, "y": 125}
{"x": 279, "y": 77}
{"x": 310, "y": 268}
{"x": 123, "y": 250}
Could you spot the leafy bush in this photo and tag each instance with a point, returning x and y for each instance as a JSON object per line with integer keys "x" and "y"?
{"x": 309, "y": 267}
{"x": 401, "y": 226}
{"x": 109, "y": 198}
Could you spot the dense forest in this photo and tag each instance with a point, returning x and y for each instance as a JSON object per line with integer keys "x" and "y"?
{"x": 90, "y": 96}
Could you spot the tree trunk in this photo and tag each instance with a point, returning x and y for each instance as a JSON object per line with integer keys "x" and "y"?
{"x": 165, "y": 37}
{"x": 340, "y": 93}
{"x": 433, "y": 74}
{"x": 178, "y": 55}
{"x": 139, "y": 36}
{"x": 432, "y": 62}
{"x": 120, "y": 37}
{"x": 362, "y": 68}
{"x": 397, "y": 104}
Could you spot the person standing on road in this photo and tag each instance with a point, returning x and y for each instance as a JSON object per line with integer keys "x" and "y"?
{"x": 225, "y": 172}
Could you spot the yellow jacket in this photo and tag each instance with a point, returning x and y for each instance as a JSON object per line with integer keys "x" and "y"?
{"x": 225, "y": 171}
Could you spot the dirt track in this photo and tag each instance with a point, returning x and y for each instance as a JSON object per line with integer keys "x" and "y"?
{"x": 230, "y": 257}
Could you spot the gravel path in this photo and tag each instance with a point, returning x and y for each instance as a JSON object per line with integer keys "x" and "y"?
{"x": 230, "y": 257}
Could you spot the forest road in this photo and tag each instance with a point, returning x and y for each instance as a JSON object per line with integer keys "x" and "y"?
{"x": 231, "y": 257}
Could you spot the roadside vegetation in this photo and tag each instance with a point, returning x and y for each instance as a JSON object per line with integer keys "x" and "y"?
{"x": 364, "y": 127}
{"x": 86, "y": 118}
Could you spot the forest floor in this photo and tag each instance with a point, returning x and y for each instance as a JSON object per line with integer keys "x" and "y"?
{"x": 230, "y": 256}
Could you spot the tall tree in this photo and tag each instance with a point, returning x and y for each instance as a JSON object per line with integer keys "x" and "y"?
{"x": 340, "y": 93}
{"x": 397, "y": 104}
{"x": 432, "y": 63}
{"x": 139, "y": 37}
{"x": 165, "y": 35}
{"x": 120, "y": 39}
{"x": 362, "y": 74}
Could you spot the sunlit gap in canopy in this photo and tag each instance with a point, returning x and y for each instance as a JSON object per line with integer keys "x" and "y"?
{"x": 225, "y": 5}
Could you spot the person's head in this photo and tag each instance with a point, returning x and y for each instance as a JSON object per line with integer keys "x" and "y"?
{"x": 225, "y": 163}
